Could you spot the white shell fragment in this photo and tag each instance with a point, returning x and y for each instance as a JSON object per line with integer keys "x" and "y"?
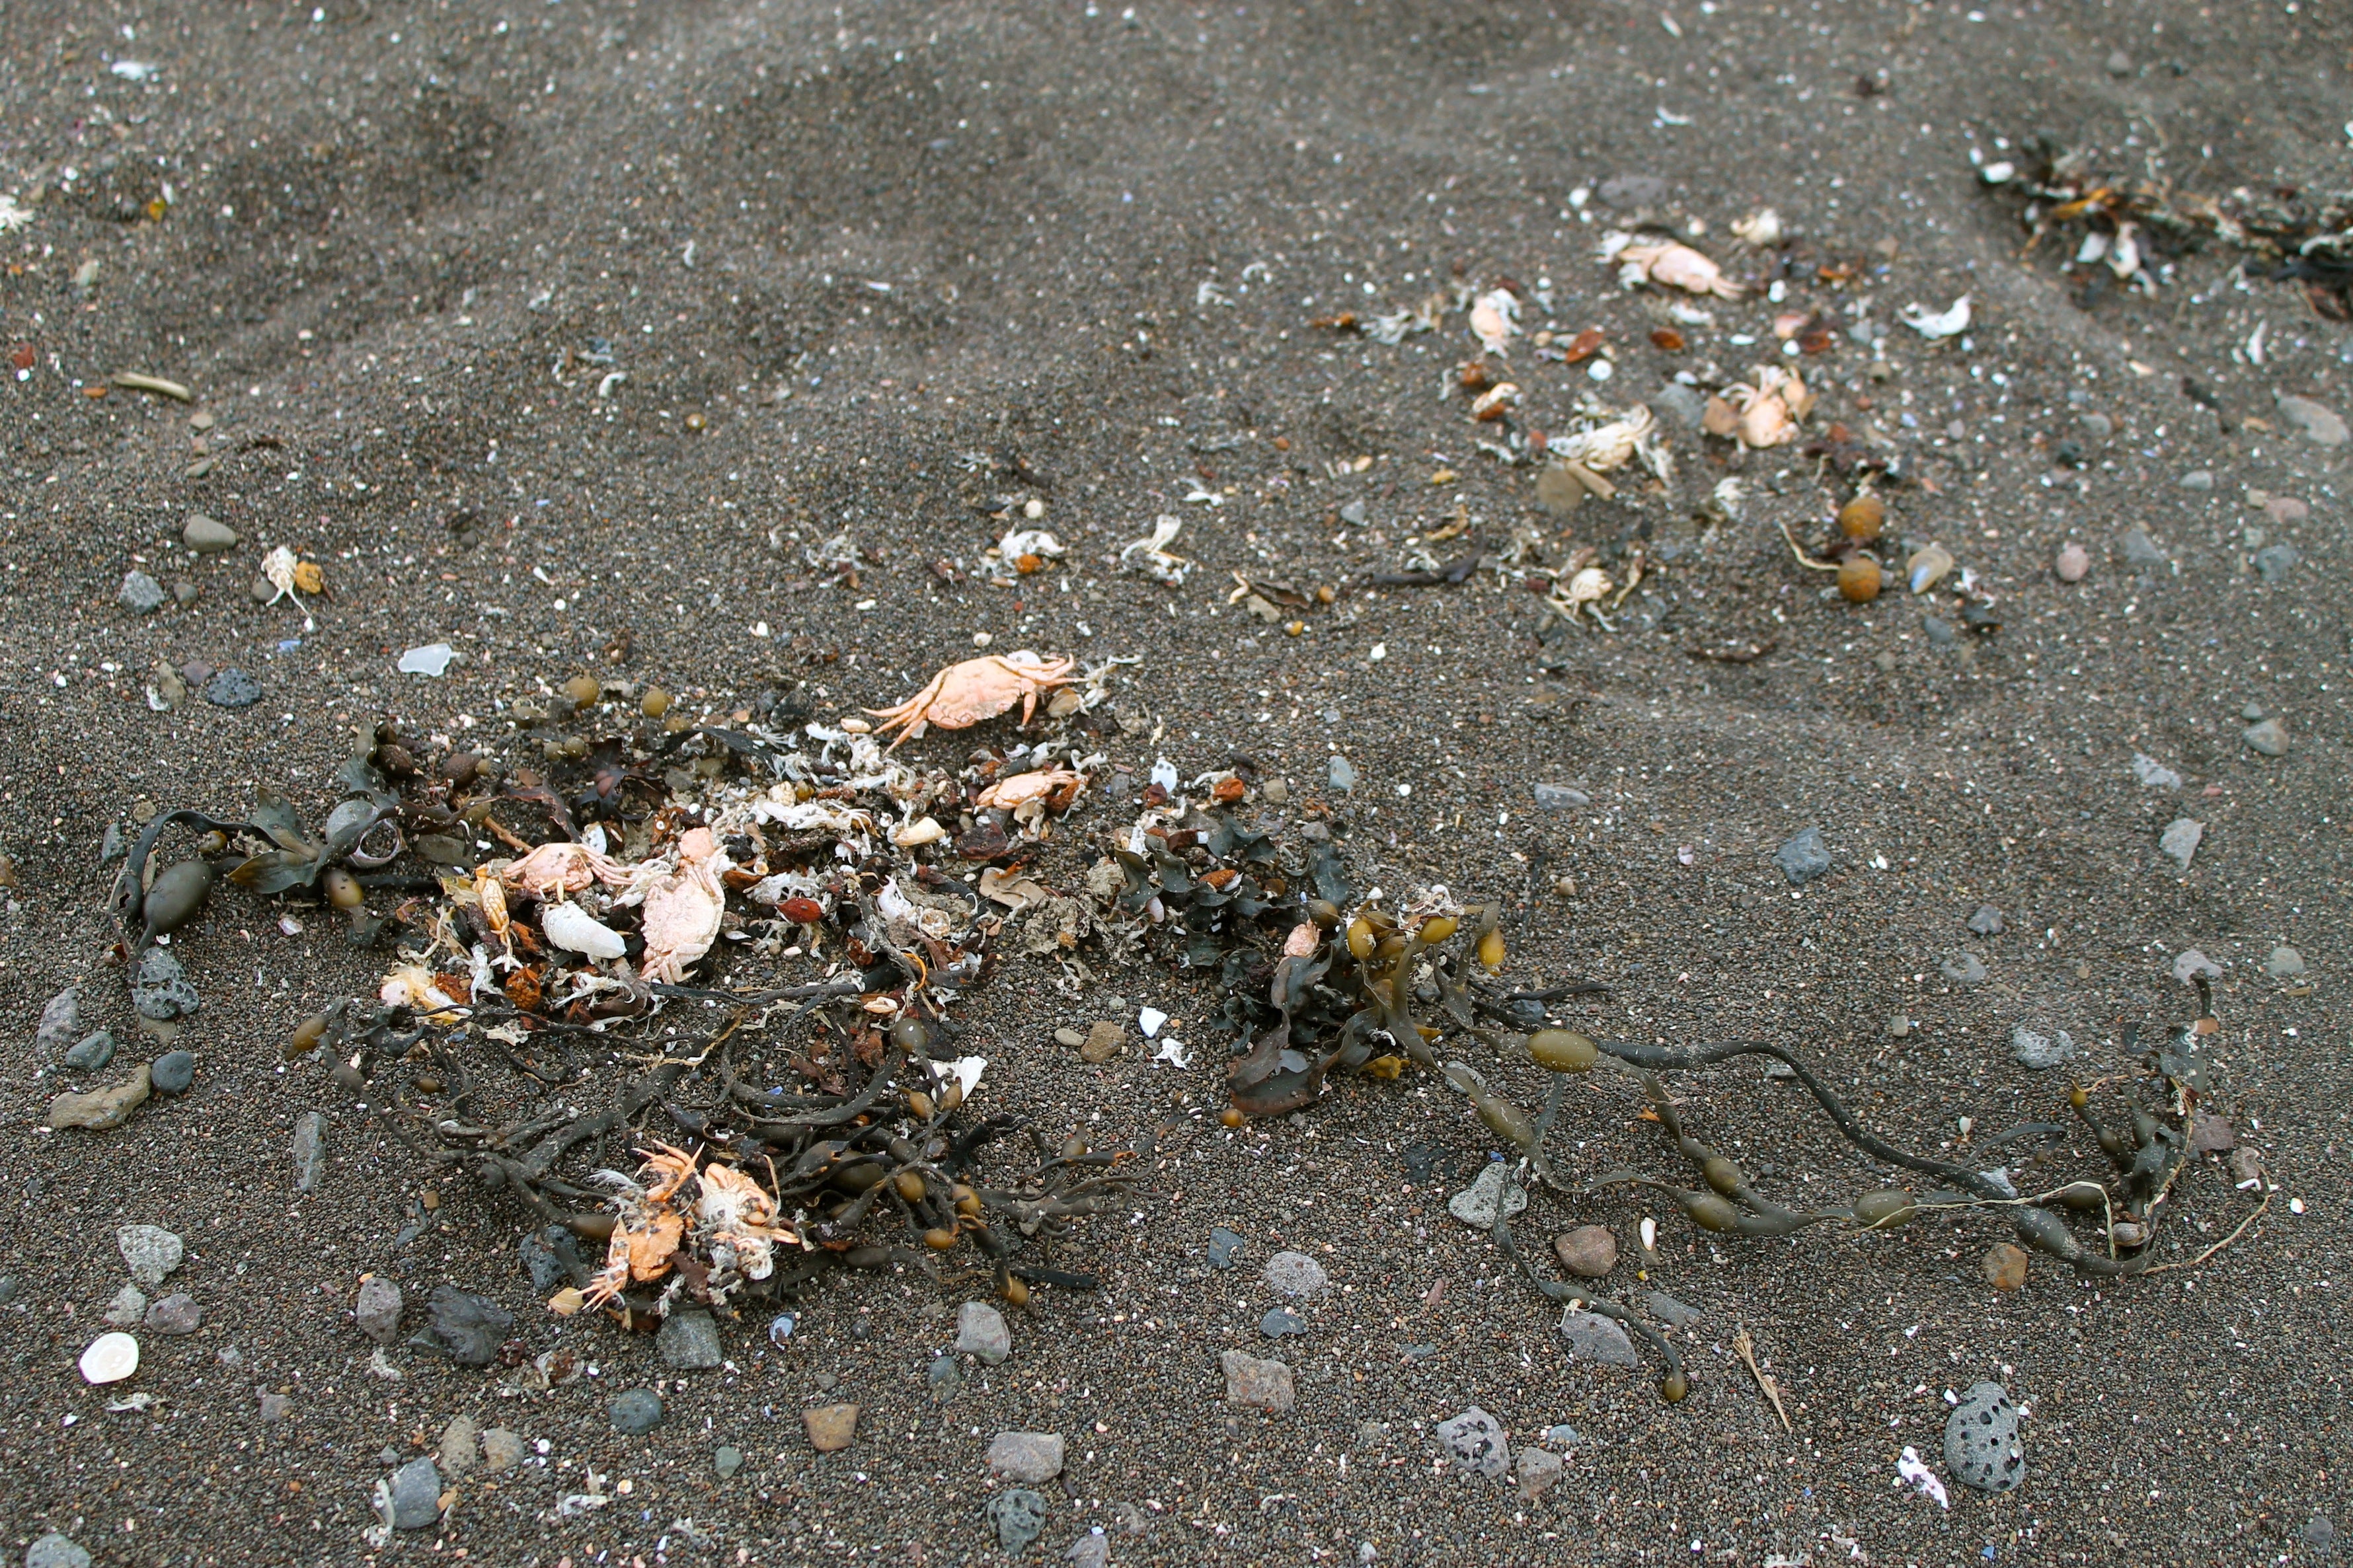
{"x": 1922, "y": 1477}
{"x": 574, "y": 930}
{"x": 966, "y": 1070}
{"x": 1953, "y": 318}
{"x": 916, "y": 834}
{"x": 111, "y": 1358}
{"x": 432, "y": 659}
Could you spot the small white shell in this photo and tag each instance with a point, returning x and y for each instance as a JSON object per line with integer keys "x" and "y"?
{"x": 916, "y": 834}
{"x": 574, "y": 930}
{"x": 111, "y": 1358}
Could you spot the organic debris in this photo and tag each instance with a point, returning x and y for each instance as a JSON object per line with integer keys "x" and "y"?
{"x": 1668, "y": 263}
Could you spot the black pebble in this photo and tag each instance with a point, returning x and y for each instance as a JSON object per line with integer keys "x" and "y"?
{"x": 174, "y": 1072}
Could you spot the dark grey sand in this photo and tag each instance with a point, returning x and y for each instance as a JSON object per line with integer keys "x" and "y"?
{"x": 860, "y": 269}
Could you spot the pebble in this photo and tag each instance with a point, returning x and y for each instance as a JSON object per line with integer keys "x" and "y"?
{"x": 2275, "y": 562}
{"x": 501, "y": 1449}
{"x": 1475, "y": 1205}
{"x": 310, "y": 1151}
{"x": 2317, "y": 422}
{"x": 1252, "y": 1383}
{"x": 1624, "y": 192}
{"x": 60, "y": 1022}
{"x": 542, "y": 1265}
{"x": 177, "y": 1314}
{"x": 276, "y": 1407}
{"x": 1340, "y": 774}
{"x": 2190, "y": 964}
{"x": 100, "y": 1109}
{"x": 2320, "y": 1535}
{"x": 1019, "y": 1517}
{"x": 2284, "y": 509}
{"x": 1092, "y": 1550}
{"x": 726, "y": 1460}
{"x": 1102, "y": 1042}
{"x": 2098, "y": 427}
{"x": 1537, "y": 1470}
{"x": 1223, "y": 1245}
{"x": 2039, "y": 1052}
{"x": 140, "y": 595}
{"x": 946, "y": 1376}
{"x": 2119, "y": 63}
{"x": 232, "y": 689}
{"x": 160, "y": 987}
{"x": 174, "y": 1072}
{"x": 467, "y": 1328}
{"x": 185, "y": 592}
{"x": 2212, "y": 1134}
{"x": 1561, "y": 797}
{"x": 110, "y": 1358}
{"x": 689, "y": 1341}
{"x": 412, "y": 1498}
{"x": 1282, "y": 1321}
{"x": 1986, "y": 920}
{"x": 2270, "y": 738}
{"x": 1027, "y": 1456}
{"x": 2181, "y": 840}
{"x": 1296, "y": 1274}
{"x": 1982, "y": 1447}
{"x": 2285, "y": 964}
{"x": 981, "y": 1334}
{"x": 377, "y": 1310}
{"x": 2005, "y": 1266}
{"x": 2127, "y": 1234}
{"x": 1592, "y": 1337}
{"x": 129, "y": 1308}
{"x": 152, "y": 1252}
{"x": 2074, "y": 561}
{"x": 460, "y": 1440}
{"x": 208, "y": 537}
{"x": 1939, "y": 631}
{"x": 1803, "y": 858}
{"x": 1963, "y": 969}
{"x": 1899, "y": 1025}
{"x": 2140, "y": 550}
{"x": 635, "y": 1411}
{"x": 830, "y": 1426}
{"x": 1669, "y": 1312}
{"x": 1475, "y": 1445}
{"x": 1679, "y": 405}
{"x": 54, "y": 1551}
{"x": 2197, "y": 480}
{"x": 1589, "y": 1252}
{"x": 93, "y": 1054}
{"x": 2154, "y": 773}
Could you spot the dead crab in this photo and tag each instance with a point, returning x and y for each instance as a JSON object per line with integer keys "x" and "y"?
{"x": 1765, "y": 415}
{"x": 556, "y": 871}
{"x": 684, "y": 908}
{"x": 648, "y": 1226}
{"x": 738, "y": 1217}
{"x": 964, "y": 694}
{"x": 1672, "y": 265}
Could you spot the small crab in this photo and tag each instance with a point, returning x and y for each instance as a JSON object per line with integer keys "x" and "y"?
{"x": 647, "y": 1228}
{"x": 558, "y": 869}
{"x": 964, "y": 694}
{"x": 739, "y": 1218}
{"x": 1675, "y": 266}
{"x": 1582, "y": 595}
{"x": 1765, "y": 415}
{"x": 683, "y": 909}
{"x": 1056, "y": 788}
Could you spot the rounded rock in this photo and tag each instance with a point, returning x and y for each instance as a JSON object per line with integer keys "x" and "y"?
{"x": 54, "y": 1551}
{"x": 1589, "y": 1252}
{"x": 2005, "y": 1266}
{"x": 2073, "y": 563}
{"x": 207, "y": 536}
{"x": 110, "y": 1358}
{"x": 635, "y": 1411}
{"x": 174, "y": 1072}
{"x": 1982, "y": 1447}
{"x": 1296, "y": 1274}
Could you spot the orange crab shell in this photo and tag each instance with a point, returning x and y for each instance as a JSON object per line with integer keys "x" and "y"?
{"x": 558, "y": 869}
{"x": 964, "y": 694}
{"x": 683, "y": 910}
{"x": 1055, "y": 787}
{"x": 1681, "y": 266}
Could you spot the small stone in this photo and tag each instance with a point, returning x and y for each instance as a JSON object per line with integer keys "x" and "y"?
{"x": 459, "y": 1444}
{"x": 2277, "y": 562}
{"x": 467, "y": 1328}
{"x": 2320, "y": 1534}
{"x": 1803, "y": 858}
{"x": 1982, "y": 1447}
{"x": 945, "y": 1376}
{"x": 1563, "y": 1437}
{"x": 2005, "y": 1266}
{"x": 830, "y": 1426}
{"x": 152, "y": 1252}
{"x": 1558, "y": 490}
{"x": 501, "y": 1449}
{"x": 2285, "y": 964}
{"x": 1679, "y": 405}
{"x": 1223, "y": 1245}
{"x": 1623, "y": 193}
{"x": 546, "y": 1255}
{"x": 1031, "y": 1456}
{"x": 1669, "y": 1312}
{"x": 174, "y": 1072}
{"x": 1339, "y": 774}
{"x": 2285, "y": 509}
{"x": 2246, "y": 1166}
{"x": 100, "y": 1109}
{"x": 208, "y": 537}
{"x": 1071, "y": 1038}
{"x": 2098, "y": 427}
{"x": 232, "y": 689}
{"x": 2181, "y": 840}
{"x": 1939, "y": 631}
{"x": 725, "y": 1461}
{"x": 2317, "y": 422}
{"x": 160, "y": 988}
{"x": 1561, "y": 797}
{"x": 139, "y": 594}
{"x": 1589, "y": 1252}
{"x": 54, "y": 1551}
{"x": 1899, "y": 1025}
{"x": 276, "y": 1407}
{"x": 377, "y": 1310}
{"x": 1963, "y": 969}
{"x": 2154, "y": 773}
{"x": 1255, "y": 1384}
{"x": 2039, "y": 1052}
{"x": 110, "y": 1358}
{"x": 1537, "y": 1470}
{"x": 690, "y": 1341}
{"x": 2212, "y": 1134}
{"x": 1592, "y": 1337}
{"x": 2195, "y": 479}
{"x": 2119, "y": 63}
{"x": 636, "y": 1411}
{"x": 310, "y": 1151}
{"x": 177, "y": 1313}
{"x": 1092, "y": 1550}
{"x": 1986, "y": 920}
{"x": 1296, "y": 1274}
{"x": 93, "y": 1054}
{"x": 129, "y": 1308}
{"x": 1474, "y": 1443}
{"x": 2074, "y": 561}
{"x": 412, "y": 1499}
{"x": 981, "y": 1334}
{"x": 60, "y": 1022}
{"x": 2252, "y": 712}
{"x": 1019, "y": 1517}
{"x": 1475, "y": 1205}
{"x": 1102, "y": 1042}
{"x": 2140, "y": 550}
{"x": 1281, "y": 1322}
{"x": 2189, "y": 965}
{"x": 185, "y": 592}
{"x": 2270, "y": 738}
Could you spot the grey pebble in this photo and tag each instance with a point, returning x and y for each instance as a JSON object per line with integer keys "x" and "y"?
{"x": 2098, "y": 427}
{"x": 1537, "y": 1471}
{"x": 377, "y": 1310}
{"x": 981, "y": 1334}
{"x": 1939, "y": 631}
{"x": 2270, "y": 738}
{"x": 232, "y": 689}
{"x": 2154, "y": 773}
{"x": 1353, "y": 514}
{"x": 1592, "y": 1337}
{"x": 2317, "y": 422}
{"x": 1626, "y": 191}
{"x": 689, "y": 1341}
{"x": 1669, "y": 1310}
{"x": 1561, "y": 797}
{"x": 1092, "y": 1550}
{"x": 173, "y": 1072}
{"x": 635, "y": 1411}
{"x": 93, "y": 1054}
{"x": 60, "y": 1022}
{"x": 2038, "y": 1052}
{"x": 1803, "y": 858}
{"x": 1296, "y": 1274}
{"x": 1963, "y": 969}
{"x": 2190, "y": 964}
{"x": 547, "y": 1258}
{"x": 1986, "y": 920}
{"x": 1982, "y": 1447}
{"x": 1280, "y": 1322}
{"x": 467, "y": 1328}
{"x": 207, "y": 536}
{"x": 460, "y": 1440}
{"x": 2275, "y": 562}
{"x": 1679, "y": 405}
{"x": 1340, "y": 774}
{"x": 152, "y": 1252}
{"x": 946, "y": 1376}
{"x": 160, "y": 987}
{"x": 310, "y": 1151}
{"x": 129, "y": 1308}
{"x": 2197, "y": 480}
{"x": 2140, "y": 550}
{"x": 1223, "y": 1245}
{"x": 1026, "y": 1455}
{"x": 2285, "y": 964}
{"x": 2181, "y": 840}
{"x": 9, "y": 1287}
{"x": 726, "y": 1460}
{"x": 1475, "y": 1443}
{"x": 140, "y": 595}
{"x": 276, "y": 1407}
{"x": 1018, "y": 1515}
{"x": 501, "y": 1449}
{"x": 54, "y": 1551}
{"x": 1475, "y": 1205}
{"x": 2119, "y": 63}
{"x": 177, "y": 1313}
{"x": 412, "y": 1498}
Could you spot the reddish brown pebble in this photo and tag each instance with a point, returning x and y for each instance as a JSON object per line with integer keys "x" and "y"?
{"x": 2005, "y": 1266}
{"x": 1589, "y": 1252}
{"x": 830, "y": 1426}
{"x": 1583, "y": 346}
{"x": 1667, "y": 338}
{"x": 2072, "y": 563}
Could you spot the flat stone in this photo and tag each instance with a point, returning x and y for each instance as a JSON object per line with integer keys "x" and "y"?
{"x": 1669, "y": 1312}
{"x": 1282, "y": 1322}
{"x": 726, "y": 1460}
{"x": 830, "y": 1426}
{"x": 174, "y": 1072}
{"x": 1982, "y": 1447}
{"x": 636, "y": 1411}
{"x": 1476, "y": 1204}
{"x": 152, "y": 1252}
{"x": 140, "y": 595}
{"x": 1986, "y": 920}
{"x": 54, "y": 1551}
{"x": 547, "y": 1257}
{"x": 2190, "y": 963}
{"x": 276, "y": 1407}
{"x": 2005, "y": 1266}
{"x": 2270, "y": 738}
{"x": 689, "y": 1341}
{"x": 232, "y": 689}
{"x": 1018, "y": 1515}
{"x": 207, "y": 536}
{"x": 310, "y": 1151}
{"x": 467, "y": 1328}
{"x": 1092, "y": 1550}
{"x": 2212, "y": 1134}
{"x": 1939, "y": 631}
{"x": 501, "y": 1449}
{"x": 1340, "y": 774}
{"x": 2285, "y": 964}
{"x": 981, "y": 1334}
{"x": 60, "y": 1022}
{"x": 1223, "y": 1245}
{"x": 1475, "y": 1443}
{"x": 411, "y": 1499}
{"x": 377, "y": 1310}
{"x": 1963, "y": 969}
{"x": 1561, "y": 797}
{"x": 129, "y": 1308}
{"x": 2195, "y": 479}
{"x": 1029, "y": 1456}
{"x": 944, "y": 1376}
{"x": 2181, "y": 840}
{"x": 2316, "y": 422}
{"x": 1589, "y": 1252}
{"x": 2074, "y": 563}
{"x": 1296, "y": 1274}
{"x": 2039, "y": 1052}
{"x": 2285, "y": 509}
{"x": 1537, "y": 1470}
{"x": 2154, "y": 773}
{"x": 2140, "y": 550}
{"x": 1803, "y": 858}
{"x": 1102, "y": 1042}
{"x": 460, "y": 1443}
{"x": 1592, "y": 1337}
{"x": 100, "y": 1109}
{"x": 93, "y": 1054}
{"x": 177, "y": 1313}
{"x": 2277, "y": 563}
{"x": 1252, "y": 1383}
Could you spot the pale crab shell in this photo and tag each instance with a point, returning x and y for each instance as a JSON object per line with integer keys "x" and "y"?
{"x": 574, "y": 930}
{"x": 412, "y": 986}
{"x": 492, "y": 895}
{"x": 1494, "y": 321}
{"x": 683, "y": 910}
{"x": 1587, "y": 586}
{"x": 1020, "y": 790}
{"x": 1680, "y": 266}
{"x": 559, "y": 870}
{"x": 964, "y": 694}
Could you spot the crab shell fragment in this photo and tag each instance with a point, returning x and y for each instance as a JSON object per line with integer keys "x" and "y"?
{"x": 1056, "y": 787}
{"x": 1680, "y": 266}
{"x": 964, "y": 694}
{"x": 558, "y": 869}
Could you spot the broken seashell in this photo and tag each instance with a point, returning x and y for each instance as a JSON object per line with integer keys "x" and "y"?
{"x": 1926, "y": 566}
{"x": 574, "y": 930}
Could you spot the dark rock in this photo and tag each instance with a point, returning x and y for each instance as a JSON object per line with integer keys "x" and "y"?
{"x": 173, "y": 1072}
{"x": 945, "y": 1376}
{"x": 550, "y": 1260}
{"x": 1940, "y": 632}
{"x": 411, "y": 1499}
{"x": 1280, "y": 1322}
{"x": 467, "y": 1328}
{"x": 1223, "y": 1245}
{"x": 139, "y": 594}
{"x": 232, "y": 689}
{"x": 177, "y": 1313}
{"x": 2277, "y": 562}
{"x": 1669, "y": 1312}
{"x": 1803, "y": 858}
{"x": 93, "y": 1054}
{"x": 1625, "y": 193}
{"x": 636, "y": 1411}
{"x": 689, "y": 1341}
